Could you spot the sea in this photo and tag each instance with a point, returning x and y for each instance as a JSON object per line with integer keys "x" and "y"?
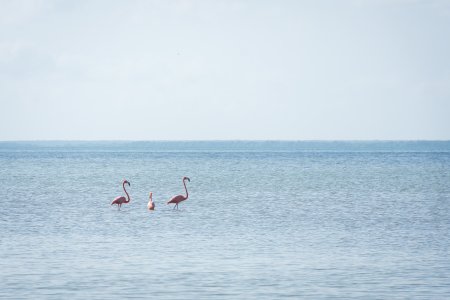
{"x": 263, "y": 220}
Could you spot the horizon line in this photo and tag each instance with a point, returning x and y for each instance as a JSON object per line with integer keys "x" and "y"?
{"x": 228, "y": 140}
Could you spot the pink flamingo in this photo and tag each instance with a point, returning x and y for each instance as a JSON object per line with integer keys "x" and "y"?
{"x": 120, "y": 200}
{"x": 151, "y": 205}
{"x": 177, "y": 199}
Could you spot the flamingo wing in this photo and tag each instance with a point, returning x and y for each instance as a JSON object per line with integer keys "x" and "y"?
{"x": 118, "y": 200}
{"x": 176, "y": 199}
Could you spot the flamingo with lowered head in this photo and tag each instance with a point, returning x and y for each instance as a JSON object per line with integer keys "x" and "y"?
{"x": 151, "y": 205}
{"x": 177, "y": 199}
{"x": 120, "y": 200}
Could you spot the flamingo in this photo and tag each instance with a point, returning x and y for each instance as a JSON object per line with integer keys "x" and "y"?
{"x": 120, "y": 200}
{"x": 177, "y": 199}
{"x": 151, "y": 205}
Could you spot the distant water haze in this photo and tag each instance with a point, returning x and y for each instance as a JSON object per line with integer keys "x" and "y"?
{"x": 207, "y": 70}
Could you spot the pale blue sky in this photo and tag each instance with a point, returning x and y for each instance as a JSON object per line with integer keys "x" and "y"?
{"x": 190, "y": 70}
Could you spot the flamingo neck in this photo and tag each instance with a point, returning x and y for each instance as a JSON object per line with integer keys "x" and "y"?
{"x": 128, "y": 196}
{"x": 187, "y": 195}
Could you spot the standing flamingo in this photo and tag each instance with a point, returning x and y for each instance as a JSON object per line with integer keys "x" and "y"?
{"x": 120, "y": 200}
{"x": 177, "y": 199}
{"x": 151, "y": 205}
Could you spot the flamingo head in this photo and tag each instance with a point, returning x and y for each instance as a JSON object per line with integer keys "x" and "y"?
{"x": 150, "y": 195}
{"x": 126, "y": 181}
{"x": 184, "y": 178}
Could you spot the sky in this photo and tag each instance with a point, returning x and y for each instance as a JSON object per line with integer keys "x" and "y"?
{"x": 225, "y": 70}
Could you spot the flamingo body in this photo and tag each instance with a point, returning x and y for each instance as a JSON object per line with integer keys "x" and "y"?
{"x": 151, "y": 205}
{"x": 119, "y": 200}
{"x": 176, "y": 199}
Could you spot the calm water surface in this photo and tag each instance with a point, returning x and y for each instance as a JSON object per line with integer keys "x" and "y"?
{"x": 264, "y": 220}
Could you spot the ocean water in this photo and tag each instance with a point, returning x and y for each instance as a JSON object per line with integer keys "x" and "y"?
{"x": 264, "y": 220}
